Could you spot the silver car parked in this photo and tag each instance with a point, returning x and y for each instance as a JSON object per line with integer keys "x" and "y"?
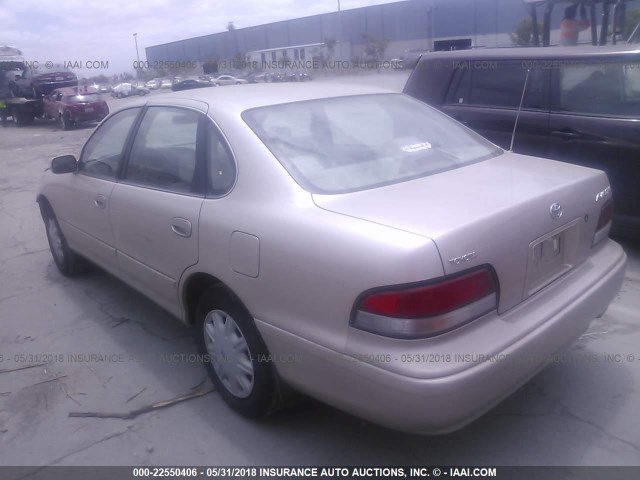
{"x": 351, "y": 243}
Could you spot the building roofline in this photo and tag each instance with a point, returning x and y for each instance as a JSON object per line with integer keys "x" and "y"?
{"x": 265, "y": 50}
{"x": 280, "y": 21}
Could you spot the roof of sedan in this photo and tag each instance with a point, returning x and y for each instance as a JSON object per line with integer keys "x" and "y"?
{"x": 242, "y": 97}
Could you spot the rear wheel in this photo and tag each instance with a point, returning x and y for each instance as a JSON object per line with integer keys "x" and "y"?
{"x": 237, "y": 357}
{"x": 67, "y": 261}
{"x": 22, "y": 118}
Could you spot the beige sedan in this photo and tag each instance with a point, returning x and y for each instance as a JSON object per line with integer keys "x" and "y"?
{"x": 349, "y": 243}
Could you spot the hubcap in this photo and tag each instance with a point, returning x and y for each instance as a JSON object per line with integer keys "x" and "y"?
{"x": 229, "y": 353}
{"x": 56, "y": 240}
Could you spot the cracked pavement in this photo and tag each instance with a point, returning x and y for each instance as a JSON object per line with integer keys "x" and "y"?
{"x": 582, "y": 410}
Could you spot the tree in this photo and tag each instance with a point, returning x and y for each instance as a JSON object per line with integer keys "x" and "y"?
{"x": 374, "y": 48}
{"x": 231, "y": 27}
{"x": 210, "y": 67}
{"x": 330, "y": 45}
{"x": 160, "y": 73}
{"x": 241, "y": 61}
{"x": 96, "y": 79}
{"x": 632, "y": 19}
{"x": 523, "y": 33}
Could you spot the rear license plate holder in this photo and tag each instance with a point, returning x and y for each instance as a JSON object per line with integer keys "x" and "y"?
{"x": 551, "y": 256}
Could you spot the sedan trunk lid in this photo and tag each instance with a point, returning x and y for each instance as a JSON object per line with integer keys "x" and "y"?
{"x": 531, "y": 219}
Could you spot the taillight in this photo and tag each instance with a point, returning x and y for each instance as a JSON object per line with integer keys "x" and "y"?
{"x": 604, "y": 222}
{"x": 428, "y": 309}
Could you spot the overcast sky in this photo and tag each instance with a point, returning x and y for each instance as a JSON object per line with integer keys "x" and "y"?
{"x": 81, "y": 30}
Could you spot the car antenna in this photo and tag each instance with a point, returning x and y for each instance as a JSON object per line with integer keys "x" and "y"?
{"x": 515, "y": 126}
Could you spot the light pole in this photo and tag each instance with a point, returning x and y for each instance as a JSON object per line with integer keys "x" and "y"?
{"x": 135, "y": 39}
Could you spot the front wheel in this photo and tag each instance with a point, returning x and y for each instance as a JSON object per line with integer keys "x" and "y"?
{"x": 238, "y": 360}
{"x": 22, "y": 119}
{"x": 65, "y": 121}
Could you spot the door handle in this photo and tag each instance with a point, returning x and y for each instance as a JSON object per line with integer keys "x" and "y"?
{"x": 565, "y": 135}
{"x": 181, "y": 227}
{"x": 100, "y": 201}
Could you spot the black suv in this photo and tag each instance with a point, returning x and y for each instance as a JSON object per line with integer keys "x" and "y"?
{"x": 581, "y": 105}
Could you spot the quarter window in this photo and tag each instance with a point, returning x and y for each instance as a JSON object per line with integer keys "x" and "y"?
{"x": 164, "y": 150}
{"x": 601, "y": 89}
{"x": 221, "y": 167}
{"x": 103, "y": 152}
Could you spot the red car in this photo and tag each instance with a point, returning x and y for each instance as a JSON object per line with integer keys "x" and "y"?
{"x": 73, "y": 105}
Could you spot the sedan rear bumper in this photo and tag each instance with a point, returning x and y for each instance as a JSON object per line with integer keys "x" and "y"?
{"x": 88, "y": 117}
{"x": 446, "y": 403}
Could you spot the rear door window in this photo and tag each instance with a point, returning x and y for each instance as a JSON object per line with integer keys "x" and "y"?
{"x": 163, "y": 155}
{"x": 497, "y": 84}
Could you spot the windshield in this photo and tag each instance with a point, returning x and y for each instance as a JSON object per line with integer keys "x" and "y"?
{"x": 345, "y": 144}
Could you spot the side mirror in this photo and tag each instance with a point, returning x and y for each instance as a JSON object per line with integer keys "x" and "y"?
{"x": 64, "y": 164}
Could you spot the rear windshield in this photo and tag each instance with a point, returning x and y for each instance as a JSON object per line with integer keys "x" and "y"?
{"x": 88, "y": 97}
{"x": 345, "y": 144}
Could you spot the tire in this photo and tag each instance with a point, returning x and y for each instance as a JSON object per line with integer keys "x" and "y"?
{"x": 141, "y": 93}
{"x": 65, "y": 121}
{"x": 120, "y": 95}
{"x": 67, "y": 261}
{"x": 245, "y": 379}
{"x": 22, "y": 119}
{"x": 15, "y": 91}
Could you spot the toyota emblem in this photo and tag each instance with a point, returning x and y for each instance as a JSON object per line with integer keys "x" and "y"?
{"x": 555, "y": 211}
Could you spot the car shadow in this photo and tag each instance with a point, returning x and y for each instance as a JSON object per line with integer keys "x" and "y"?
{"x": 554, "y": 419}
